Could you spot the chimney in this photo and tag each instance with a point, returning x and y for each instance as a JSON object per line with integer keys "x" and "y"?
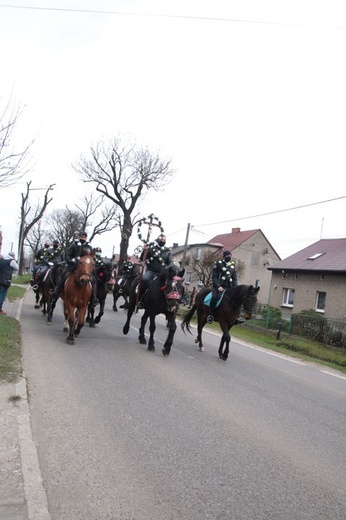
{"x": 236, "y": 230}
{"x": 175, "y": 245}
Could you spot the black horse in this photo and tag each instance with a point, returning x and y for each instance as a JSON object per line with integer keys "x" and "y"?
{"x": 162, "y": 297}
{"x": 226, "y": 313}
{"x": 122, "y": 288}
{"x": 103, "y": 275}
{"x": 45, "y": 281}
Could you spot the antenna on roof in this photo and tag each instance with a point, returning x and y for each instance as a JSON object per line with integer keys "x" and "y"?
{"x": 322, "y": 228}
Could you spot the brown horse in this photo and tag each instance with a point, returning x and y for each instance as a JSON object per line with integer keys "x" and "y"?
{"x": 227, "y": 312}
{"x": 76, "y": 295}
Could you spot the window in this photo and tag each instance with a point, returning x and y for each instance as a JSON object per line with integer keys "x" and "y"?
{"x": 187, "y": 277}
{"x": 198, "y": 253}
{"x": 288, "y": 297}
{"x": 320, "y": 301}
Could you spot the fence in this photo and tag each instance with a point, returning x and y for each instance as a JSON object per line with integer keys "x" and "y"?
{"x": 314, "y": 328}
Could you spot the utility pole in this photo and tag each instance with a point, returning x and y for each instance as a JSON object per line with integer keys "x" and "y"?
{"x": 185, "y": 246}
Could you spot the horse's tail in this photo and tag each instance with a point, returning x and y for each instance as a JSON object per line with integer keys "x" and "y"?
{"x": 185, "y": 324}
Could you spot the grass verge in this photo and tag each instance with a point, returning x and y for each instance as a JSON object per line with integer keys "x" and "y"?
{"x": 300, "y": 348}
{"x": 10, "y": 350}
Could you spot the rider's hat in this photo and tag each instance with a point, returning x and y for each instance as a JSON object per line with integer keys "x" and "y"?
{"x": 226, "y": 253}
{"x": 83, "y": 233}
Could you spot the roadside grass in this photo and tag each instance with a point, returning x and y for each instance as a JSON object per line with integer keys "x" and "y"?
{"x": 10, "y": 350}
{"x": 10, "y": 336}
{"x": 300, "y": 348}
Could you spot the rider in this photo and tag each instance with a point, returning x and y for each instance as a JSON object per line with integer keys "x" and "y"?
{"x": 77, "y": 249}
{"x": 55, "y": 253}
{"x": 126, "y": 271}
{"x": 41, "y": 258}
{"x": 156, "y": 256}
{"x": 98, "y": 257}
{"x": 223, "y": 275}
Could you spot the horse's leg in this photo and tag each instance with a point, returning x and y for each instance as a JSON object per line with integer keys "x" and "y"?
{"x": 152, "y": 328}
{"x": 115, "y": 298}
{"x": 102, "y": 309}
{"x": 79, "y": 320}
{"x": 141, "y": 336}
{"x": 130, "y": 311}
{"x": 37, "y": 299}
{"x": 223, "y": 354}
{"x": 90, "y": 316}
{"x": 172, "y": 327}
{"x": 69, "y": 314}
{"x": 201, "y": 321}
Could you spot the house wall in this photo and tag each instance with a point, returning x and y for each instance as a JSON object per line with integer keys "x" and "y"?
{"x": 306, "y": 286}
{"x": 257, "y": 255}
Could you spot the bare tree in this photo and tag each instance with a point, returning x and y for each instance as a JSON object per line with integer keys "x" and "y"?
{"x": 203, "y": 268}
{"x": 28, "y": 219}
{"x": 65, "y": 224}
{"x": 106, "y": 216}
{"x": 124, "y": 174}
{"x": 13, "y": 162}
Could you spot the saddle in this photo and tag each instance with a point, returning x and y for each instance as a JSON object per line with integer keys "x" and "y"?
{"x": 207, "y": 299}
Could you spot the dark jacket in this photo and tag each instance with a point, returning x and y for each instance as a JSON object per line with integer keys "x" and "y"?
{"x": 157, "y": 257}
{"x": 224, "y": 274}
{"x": 77, "y": 250}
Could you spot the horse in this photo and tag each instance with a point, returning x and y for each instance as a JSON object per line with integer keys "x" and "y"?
{"x": 162, "y": 297}
{"x": 76, "y": 295}
{"x": 38, "y": 286}
{"x": 226, "y": 313}
{"x": 48, "y": 284}
{"x": 122, "y": 288}
{"x": 103, "y": 274}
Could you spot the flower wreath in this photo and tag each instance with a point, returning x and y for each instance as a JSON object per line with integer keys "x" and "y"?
{"x": 153, "y": 221}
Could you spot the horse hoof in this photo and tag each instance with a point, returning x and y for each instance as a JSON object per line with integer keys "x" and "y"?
{"x": 196, "y": 340}
{"x": 201, "y": 349}
{"x": 97, "y": 319}
{"x": 152, "y": 348}
{"x": 165, "y": 352}
{"x": 222, "y": 357}
{"x": 37, "y": 306}
{"x": 142, "y": 341}
{"x": 125, "y": 329}
{"x": 65, "y": 329}
{"x": 115, "y": 310}
{"x": 70, "y": 341}
{"x": 91, "y": 325}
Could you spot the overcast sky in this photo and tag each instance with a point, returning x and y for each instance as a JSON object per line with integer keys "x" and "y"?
{"x": 247, "y": 98}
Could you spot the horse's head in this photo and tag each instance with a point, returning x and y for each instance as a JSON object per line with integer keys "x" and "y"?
{"x": 249, "y": 301}
{"x": 173, "y": 288}
{"x": 84, "y": 270}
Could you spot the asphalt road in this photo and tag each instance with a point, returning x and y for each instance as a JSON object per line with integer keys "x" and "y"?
{"x": 126, "y": 434}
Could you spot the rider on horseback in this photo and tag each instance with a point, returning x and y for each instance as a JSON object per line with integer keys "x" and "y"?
{"x": 223, "y": 275}
{"x": 77, "y": 249}
{"x": 41, "y": 260}
{"x": 156, "y": 256}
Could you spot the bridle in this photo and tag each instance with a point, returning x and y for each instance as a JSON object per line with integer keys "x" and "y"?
{"x": 173, "y": 292}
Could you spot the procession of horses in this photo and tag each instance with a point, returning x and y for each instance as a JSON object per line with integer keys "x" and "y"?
{"x": 164, "y": 295}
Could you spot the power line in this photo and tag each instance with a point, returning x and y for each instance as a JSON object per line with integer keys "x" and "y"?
{"x": 173, "y": 16}
{"x": 270, "y": 213}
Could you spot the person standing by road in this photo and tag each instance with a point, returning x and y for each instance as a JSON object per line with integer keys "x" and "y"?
{"x": 8, "y": 265}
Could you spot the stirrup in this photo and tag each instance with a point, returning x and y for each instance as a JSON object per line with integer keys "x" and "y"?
{"x": 34, "y": 287}
{"x": 210, "y": 318}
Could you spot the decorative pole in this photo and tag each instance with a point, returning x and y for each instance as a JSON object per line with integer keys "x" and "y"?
{"x": 150, "y": 221}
